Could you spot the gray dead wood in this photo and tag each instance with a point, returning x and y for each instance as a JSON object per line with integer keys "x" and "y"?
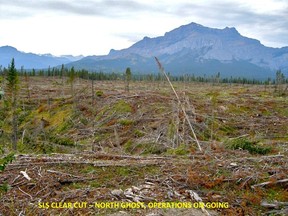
{"x": 180, "y": 103}
{"x": 269, "y": 183}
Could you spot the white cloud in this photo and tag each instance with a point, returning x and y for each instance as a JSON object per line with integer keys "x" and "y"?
{"x": 95, "y": 26}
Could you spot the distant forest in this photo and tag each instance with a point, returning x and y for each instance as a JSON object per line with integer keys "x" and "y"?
{"x": 85, "y": 74}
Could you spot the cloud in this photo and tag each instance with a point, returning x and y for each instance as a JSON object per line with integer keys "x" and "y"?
{"x": 131, "y": 37}
{"x": 223, "y": 12}
{"x": 270, "y": 26}
{"x": 104, "y": 8}
{"x": 118, "y": 24}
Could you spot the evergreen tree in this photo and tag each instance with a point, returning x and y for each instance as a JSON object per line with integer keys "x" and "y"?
{"x": 128, "y": 76}
{"x": 72, "y": 75}
{"x": 71, "y": 79}
{"x": 13, "y": 87}
{"x": 12, "y": 78}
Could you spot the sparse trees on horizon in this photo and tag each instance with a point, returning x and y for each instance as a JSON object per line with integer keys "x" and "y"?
{"x": 63, "y": 73}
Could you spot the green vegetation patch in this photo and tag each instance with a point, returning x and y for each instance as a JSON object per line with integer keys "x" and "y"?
{"x": 125, "y": 122}
{"x": 6, "y": 160}
{"x": 181, "y": 150}
{"x": 228, "y": 130}
{"x": 4, "y": 188}
{"x": 122, "y": 107}
{"x": 99, "y": 93}
{"x": 138, "y": 133}
{"x": 276, "y": 193}
{"x": 245, "y": 144}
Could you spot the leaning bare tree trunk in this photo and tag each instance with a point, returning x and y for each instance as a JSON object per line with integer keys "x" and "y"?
{"x": 179, "y": 101}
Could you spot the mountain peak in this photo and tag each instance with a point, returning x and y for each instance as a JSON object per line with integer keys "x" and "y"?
{"x": 191, "y": 36}
{"x": 193, "y": 24}
{"x": 232, "y": 30}
{"x": 8, "y": 49}
{"x": 186, "y": 29}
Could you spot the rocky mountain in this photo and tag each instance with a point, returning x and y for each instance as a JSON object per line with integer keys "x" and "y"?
{"x": 188, "y": 49}
{"x": 195, "y": 49}
{"x": 30, "y": 60}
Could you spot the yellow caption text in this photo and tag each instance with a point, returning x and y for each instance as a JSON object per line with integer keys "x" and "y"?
{"x": 132, "y": 205}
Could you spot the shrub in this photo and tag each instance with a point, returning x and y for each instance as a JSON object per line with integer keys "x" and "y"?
{"x": 4, "y": 187}
{"x": 99, "y": 93}
{"x": 121, "y": 107}
{"x": 6, "y": 160}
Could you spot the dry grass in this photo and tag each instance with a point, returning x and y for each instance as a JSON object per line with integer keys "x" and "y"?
{"x": 127, "y": 139}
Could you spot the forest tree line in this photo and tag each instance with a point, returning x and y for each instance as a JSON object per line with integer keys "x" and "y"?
{"x": 85, "y": 74}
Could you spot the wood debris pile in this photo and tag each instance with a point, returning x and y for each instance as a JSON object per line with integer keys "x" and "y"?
{"x": 91, "y": 178}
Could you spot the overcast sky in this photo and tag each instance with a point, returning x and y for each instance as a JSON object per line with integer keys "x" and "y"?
{"x": 93, "y": 27}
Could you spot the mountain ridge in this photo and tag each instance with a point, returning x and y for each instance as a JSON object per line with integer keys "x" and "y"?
{"x": 188, "y": 49}
{"x": 195, "y": 49}
{"x": 32, "y": 60}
